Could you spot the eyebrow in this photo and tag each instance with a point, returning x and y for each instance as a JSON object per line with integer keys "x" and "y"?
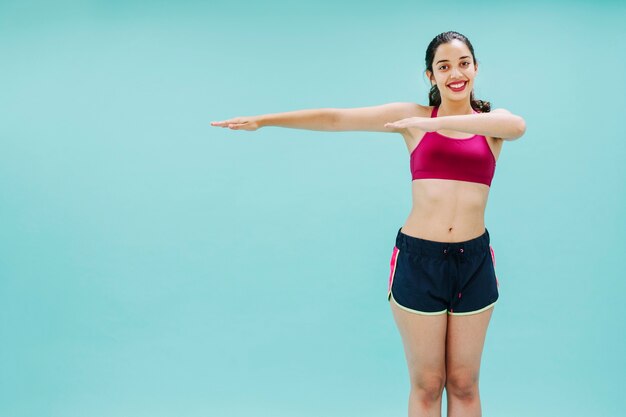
{"x": 445, "y": 60}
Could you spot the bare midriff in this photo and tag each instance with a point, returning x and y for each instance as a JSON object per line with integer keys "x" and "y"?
{"x": 447, "y": 210}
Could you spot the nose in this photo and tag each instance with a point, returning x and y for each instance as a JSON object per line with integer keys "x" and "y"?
{"x": 455, "y": 73}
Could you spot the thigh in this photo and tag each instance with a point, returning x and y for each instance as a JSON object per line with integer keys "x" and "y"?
{"x": 418, "y": 283}
{"x": 464, "y": 345}
{"x": 424, "y": 339}
{"x": 476, "y": 286}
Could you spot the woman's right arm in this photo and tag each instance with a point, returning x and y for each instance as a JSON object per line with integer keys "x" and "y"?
{"x": 370, "y": 119}
{"x": 314, "y": 119}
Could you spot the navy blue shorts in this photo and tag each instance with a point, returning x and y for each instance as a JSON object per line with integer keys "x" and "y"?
{"x": 429, "y": 277}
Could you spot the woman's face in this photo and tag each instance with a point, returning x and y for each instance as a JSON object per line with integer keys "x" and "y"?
{"x": 453, "y": 64}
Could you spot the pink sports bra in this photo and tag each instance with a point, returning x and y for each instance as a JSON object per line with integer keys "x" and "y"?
{"x": 439, "y": 156}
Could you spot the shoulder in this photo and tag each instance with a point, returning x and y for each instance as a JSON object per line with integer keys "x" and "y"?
{"x": 410, "y": 109}
{"x": 405, "y": 109}
{"x": 423, "y": 111}
{"x": 412, "y": 135}
{"x": 500, "y": 111}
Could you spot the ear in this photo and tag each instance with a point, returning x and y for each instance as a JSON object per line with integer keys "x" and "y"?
{"x": 430, "y": 77}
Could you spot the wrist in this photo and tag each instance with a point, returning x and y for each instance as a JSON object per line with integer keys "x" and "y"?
{"x": 260, "y": 121}
{"x": 435, "y": 124}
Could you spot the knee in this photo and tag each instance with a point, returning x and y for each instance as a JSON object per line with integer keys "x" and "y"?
{"x": 428, "y": 388}
{"x": 462, "y": 385}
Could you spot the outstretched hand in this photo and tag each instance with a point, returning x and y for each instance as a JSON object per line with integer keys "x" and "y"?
{"x": 426, "y": 124}
{"x": 239, "y": 123}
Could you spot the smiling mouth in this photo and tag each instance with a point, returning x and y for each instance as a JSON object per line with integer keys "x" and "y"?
{"x": 461, "y": 88}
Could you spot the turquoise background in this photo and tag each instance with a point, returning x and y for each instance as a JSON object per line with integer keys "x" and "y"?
{"x": 153, "y": 265}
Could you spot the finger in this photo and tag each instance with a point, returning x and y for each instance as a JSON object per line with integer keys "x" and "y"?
{"x": 226, "y": 122}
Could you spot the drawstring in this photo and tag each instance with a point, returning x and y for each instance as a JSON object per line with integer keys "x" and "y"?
{"x": 458, "y": 253}
{"x": 459, "y": 257}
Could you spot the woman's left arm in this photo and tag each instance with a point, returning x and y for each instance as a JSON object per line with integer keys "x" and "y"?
{"x": 498, "y": 123}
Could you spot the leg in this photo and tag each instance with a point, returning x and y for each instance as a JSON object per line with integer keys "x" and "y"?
{"x": 424, "y": 338}
{"x": 465, "y": 341}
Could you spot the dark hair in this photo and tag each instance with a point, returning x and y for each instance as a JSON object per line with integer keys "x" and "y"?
{"x": 434, "y": 96}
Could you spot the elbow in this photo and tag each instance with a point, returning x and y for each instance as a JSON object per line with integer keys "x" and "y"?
{"x": 516, "y": 125}
{"x": 517, "y": 129}
{"x": 521, "y": 127}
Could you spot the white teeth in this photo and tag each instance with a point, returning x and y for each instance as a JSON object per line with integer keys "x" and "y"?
{"x": 457, "y": 85}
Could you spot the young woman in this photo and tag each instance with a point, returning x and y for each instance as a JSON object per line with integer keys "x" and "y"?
{"x": 442, "y": 271}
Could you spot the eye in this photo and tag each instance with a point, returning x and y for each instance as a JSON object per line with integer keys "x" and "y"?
{"x": 465, "y": 62}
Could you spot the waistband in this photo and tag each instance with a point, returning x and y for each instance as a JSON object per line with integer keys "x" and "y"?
{"x": 433, "y": 248}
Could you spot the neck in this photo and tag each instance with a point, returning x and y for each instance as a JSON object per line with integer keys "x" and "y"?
{"x": 453, "y": 108}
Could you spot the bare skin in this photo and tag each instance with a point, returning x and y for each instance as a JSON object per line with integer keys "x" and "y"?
{"x": 446, "y": 210}
{"x": 442, "y": 351}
